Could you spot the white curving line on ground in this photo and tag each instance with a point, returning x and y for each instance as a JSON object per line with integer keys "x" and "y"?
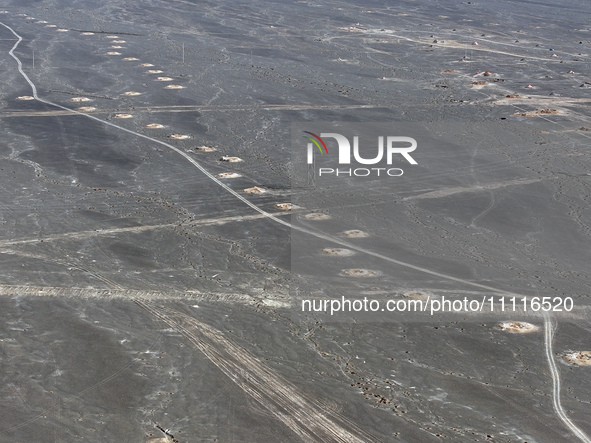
{"x": 549, "y": 330}
{"x": 548, "y": 325}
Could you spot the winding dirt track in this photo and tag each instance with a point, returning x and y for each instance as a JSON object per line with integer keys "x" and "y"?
{"x": 549, "y": 330}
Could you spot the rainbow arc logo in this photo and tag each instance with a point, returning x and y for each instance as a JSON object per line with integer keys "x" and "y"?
{"x": 316, "y": 142}
{"x": 387, "y": 147}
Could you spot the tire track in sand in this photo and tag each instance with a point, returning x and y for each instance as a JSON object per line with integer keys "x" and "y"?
{"x": 305, "y": 416}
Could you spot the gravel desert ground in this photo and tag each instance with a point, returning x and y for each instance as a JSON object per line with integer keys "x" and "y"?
{"x": 161, "y": 229}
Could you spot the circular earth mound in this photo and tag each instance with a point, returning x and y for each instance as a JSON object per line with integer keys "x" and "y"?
{"x": 354, "y": 233}
{"x": 337, "y": 252}
{"x": 360, "y": 273}
{"x": 517, "y": 327}
{"x": 579, "y": 358}
{"x": 230, "y": 159}
{"x": 255, "y": 190}
{"x": 317, "y": 216}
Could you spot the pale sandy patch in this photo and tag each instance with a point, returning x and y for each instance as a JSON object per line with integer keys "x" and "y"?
{"x": 360, "y": 273}
{"x": 354, "y": 233}
{"x": 80, "y": 99}
{"x": 417, "y": 295}
{"x": 479, "y": 84}
{"x": 538, "y": 112}
{"x": 579, "y": 358}
{"x": 230, "y": 159}
{"x": 337, "y": 252}
{"x": 317, "y": 216}
{"x": 255, "y": 190}
{"x": 517, "y": 327}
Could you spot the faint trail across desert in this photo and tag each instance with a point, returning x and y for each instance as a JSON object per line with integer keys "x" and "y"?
{"x": 305, "y": 416}
{"x": 111, "y": 231}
